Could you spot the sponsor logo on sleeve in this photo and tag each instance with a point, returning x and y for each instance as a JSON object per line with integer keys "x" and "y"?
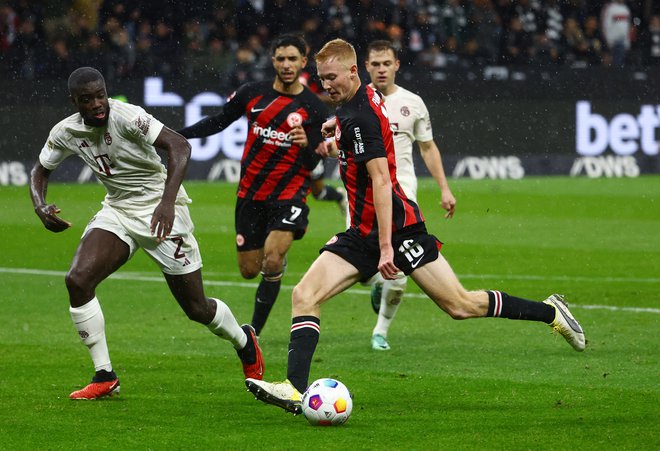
{"x": 143, "y": 124}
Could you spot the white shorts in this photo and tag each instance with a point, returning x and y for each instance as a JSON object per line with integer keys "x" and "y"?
{"x": 178, "y": 254}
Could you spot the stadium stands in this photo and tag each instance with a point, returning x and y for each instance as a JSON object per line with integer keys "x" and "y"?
{"x": 40, "y": 40}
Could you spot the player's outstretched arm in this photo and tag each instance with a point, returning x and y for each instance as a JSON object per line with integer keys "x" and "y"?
{"x": 229, "y": 112}
{"x": 433, "y": 160}
{"x": 178, "y": 155}
{"x": 39, "y": 177}
{"x": 205, "y": 127}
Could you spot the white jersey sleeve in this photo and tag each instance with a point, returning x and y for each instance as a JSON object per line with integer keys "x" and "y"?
{"x": 410, "y": 122}
{"x": 56, "y": 150}
{"x": 423, "y": 131}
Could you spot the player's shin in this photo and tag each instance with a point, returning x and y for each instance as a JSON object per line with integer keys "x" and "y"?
{"x": 224, "y": 325}
{"x": 305, "y": 332}
{"x": 390, "y": 300}
{"x": 505, "y": 306}
{"x": 90, "y": 324}
{"x": 267, "y": 292}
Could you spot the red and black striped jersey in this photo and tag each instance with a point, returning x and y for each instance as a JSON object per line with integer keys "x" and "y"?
{"x": 363, "y": 133}
{"x": 272, "y": 166}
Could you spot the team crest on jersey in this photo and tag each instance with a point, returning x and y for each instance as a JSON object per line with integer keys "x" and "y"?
{"x": 294, "y": 119}
{"x": 405, "y": 111}
{"x": 337, "y": 132}
{"x": 107, "y": 138}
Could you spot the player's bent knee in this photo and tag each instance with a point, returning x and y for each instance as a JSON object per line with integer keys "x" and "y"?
{"x": 249, "y": 273}
{"x": 78, "y": 281}
{"x": 462, "y": 308}
{"x": 302, "y": 299}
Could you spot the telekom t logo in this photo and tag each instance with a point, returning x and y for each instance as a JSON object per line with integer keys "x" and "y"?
{"x": 625, "y": 134}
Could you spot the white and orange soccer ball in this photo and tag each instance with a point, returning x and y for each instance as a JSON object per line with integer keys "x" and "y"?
{"x": 327, "y": 402}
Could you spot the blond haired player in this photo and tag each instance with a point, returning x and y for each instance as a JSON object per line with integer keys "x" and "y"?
{"x": 387, "y": 235}
{"x": 410, "y": 123}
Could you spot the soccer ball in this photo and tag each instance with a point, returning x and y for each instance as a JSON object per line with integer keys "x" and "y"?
{"x": 327, "y": 402}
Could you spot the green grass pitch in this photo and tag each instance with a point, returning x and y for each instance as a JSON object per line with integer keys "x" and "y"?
{"x": 479, "y": 384}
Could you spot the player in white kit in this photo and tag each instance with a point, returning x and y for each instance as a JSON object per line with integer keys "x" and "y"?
{"x": 145, "y": 206}
{"x": 410, "y": 122}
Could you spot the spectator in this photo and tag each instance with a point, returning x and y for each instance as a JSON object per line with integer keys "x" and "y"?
{"x": 249, "y": 16}
{"x": 596, "y": 54}
{"x": 544, "y": 51}
{"x": 478, "y": 32}
{"x": 243, "y": 70}
{"x": 455, "y": 23}
{"x": 8, "y": 24}
{"x": 518, "y": 43}
{"x": 25, "y": 51}
{"x": 575, "y": 43}
{"x": 616, "y": 30}
{"x": 487, "y": 31}
{"x": 280, "y": 16}
{"x": 423, "y": 35}
{"x": 145, "y": 64}
{"x": 552, "y": 23}
{"x": 217, "y": 58}
{"x": 340, "y": 21}
{"x": 165, "y": 50}
{"x": 58, "y": 62}
{"x": 650, "y": 40}
{"x": 94, "y": 53}
{"x": 122, "y": 53}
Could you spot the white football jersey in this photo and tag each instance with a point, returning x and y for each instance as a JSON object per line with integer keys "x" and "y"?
{"x": 121, "y": 154}
{"x": 410, "y": 122}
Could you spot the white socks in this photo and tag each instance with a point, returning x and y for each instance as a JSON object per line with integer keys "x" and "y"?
{"x": 90, "y": 324}
{"x": 389, "y": 304}
{"x": 224, "y": 325}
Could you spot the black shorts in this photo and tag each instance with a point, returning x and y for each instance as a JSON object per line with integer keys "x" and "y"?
{"x": 413, "y": 248}
{"x": 254, "y": 220}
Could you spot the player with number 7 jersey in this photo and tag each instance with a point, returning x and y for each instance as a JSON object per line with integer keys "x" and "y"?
{"x": 284, "y": 129}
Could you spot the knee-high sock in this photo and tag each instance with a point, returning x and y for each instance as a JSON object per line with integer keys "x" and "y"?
{"x": 90, "y": 323}
{"x": 505, "y": 306}
{"x": 267, "y": 292}
{"x": 224, "y": 325}
{"x": 390, "y": 300}
{"x": 305, "y": 332}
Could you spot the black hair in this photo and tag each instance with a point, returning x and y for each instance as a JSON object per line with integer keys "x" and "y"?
{"x": 288, "y": 39}
{"x": 82, "y": 76}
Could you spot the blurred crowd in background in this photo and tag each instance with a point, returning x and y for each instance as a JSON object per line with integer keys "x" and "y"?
{"x": 230, "y": 38}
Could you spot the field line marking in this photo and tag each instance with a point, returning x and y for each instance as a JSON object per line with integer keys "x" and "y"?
{"x": 141, "y": 278}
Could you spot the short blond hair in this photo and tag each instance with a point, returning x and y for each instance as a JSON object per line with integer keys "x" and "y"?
{"x": 338, "y": 49}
